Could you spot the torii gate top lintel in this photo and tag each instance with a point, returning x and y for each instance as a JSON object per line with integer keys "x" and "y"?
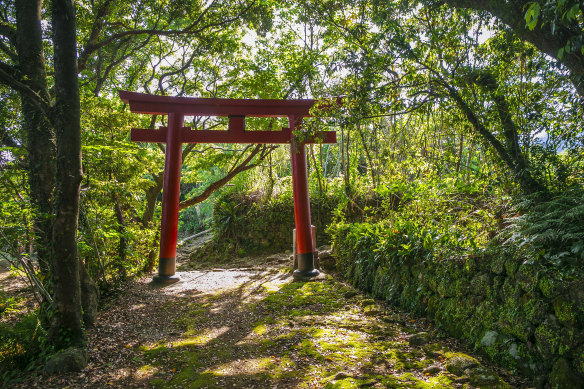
{"x": 237, "y": 110}
{"x": 202, "y": 106}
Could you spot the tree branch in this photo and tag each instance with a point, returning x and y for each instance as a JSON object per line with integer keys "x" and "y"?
{"x": 243, "y": 166}
{"x": 8, "y": 80}
{"x": 512, "y": 14}
{"x": 8, "y": 51}
{"x": 93, "y": 45}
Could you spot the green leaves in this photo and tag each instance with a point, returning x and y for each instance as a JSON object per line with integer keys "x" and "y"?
{"x": 532, "y": 15}
{"x": 550, "y": 232}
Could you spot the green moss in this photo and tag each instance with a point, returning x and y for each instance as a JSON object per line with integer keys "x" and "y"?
{"x": 458, "y": 363}
{"x": 432, "y": 281}
{"x": 562, "y": 376}
{"x": 494, "y": 292}
{"x": 154, "y": 351}
{"x": 513, "y": 323}
{"x": 579, "y": 359}
{"x": 527, "y": 277}
{"x": 453, "y": 314}
{"x": 535, "y": 310}
{"x": 260, "y": 329}
{"x": 511, "y": 266}
{"x": 547, "y": 286}
{"x": 481, "y": 284}
{"x": 461, "y": 287}
{"x": 446, "y": 288}
{"x": 498, "y": 265}
{"x": 485, "y": 378}
{"x": 565, "y": 311}
{"x": 366, "y": 302}
{"x": 486, "y": 313}
{"x": 202, "y": 380}
{"x": 549, "y": 339}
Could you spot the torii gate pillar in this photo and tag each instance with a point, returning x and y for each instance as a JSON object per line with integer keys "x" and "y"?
{"x": 170, "y": 200}
{"x": 236, "y": 109}
{"x": 304, "y": 245}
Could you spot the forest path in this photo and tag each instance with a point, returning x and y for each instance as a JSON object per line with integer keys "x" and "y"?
{"x": 252, "y": 326}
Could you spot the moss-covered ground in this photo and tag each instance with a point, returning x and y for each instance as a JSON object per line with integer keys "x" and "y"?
{"x": 273, "y": 332}
{"x": 263, "y": 330}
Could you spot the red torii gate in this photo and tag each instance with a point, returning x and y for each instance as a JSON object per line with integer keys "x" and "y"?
{"x": 236, "y": 110}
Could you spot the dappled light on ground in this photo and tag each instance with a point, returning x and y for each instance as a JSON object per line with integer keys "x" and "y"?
{"x": 256, "y": 328}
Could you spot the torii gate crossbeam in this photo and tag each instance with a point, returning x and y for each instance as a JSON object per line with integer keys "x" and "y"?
{"x": 176, "y": 108}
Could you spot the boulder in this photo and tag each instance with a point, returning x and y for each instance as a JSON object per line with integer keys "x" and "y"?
{"x": 459, "y": 362}
{"x": 420, "y": 339}
{"x": 65, "y": 361}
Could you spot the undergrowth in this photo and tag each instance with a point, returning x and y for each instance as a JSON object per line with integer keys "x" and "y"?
{"x": 550, "y": 232}
{"x": 21, "y": 344}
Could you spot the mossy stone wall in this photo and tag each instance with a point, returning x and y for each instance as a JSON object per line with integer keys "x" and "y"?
{"x": 256, "y": 225}
{"x": 525, "y": 317}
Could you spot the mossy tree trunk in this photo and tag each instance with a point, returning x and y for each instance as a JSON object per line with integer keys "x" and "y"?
{"x": 40, "y": 139}
{"x": 67, "y": 325}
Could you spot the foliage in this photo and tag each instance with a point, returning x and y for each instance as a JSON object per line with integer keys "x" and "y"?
{"x": 550, "y": 233}
{"x": 441, "y": 257}
{"x": 435, "y": 221}
{"x": 21, "y": 344}
{"x": 447, "y": 110}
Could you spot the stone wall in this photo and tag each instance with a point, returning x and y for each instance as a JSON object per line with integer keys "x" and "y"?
{"x": 524, "y": 317}
{"x": 255, "y": 225}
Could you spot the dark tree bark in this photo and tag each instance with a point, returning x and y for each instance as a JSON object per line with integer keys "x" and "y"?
{"x": 89, "y": 296}
{"x": 67, "y": 326}
{"x": 122, "y": 244}
{"x": 151, "y": 196}
{"x": 509, "y": 151}
{"x": 512, "y": 13}
{"x": 40, "y": 141}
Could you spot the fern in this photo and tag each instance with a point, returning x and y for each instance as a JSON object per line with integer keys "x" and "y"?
{"x": 551, "y": 232}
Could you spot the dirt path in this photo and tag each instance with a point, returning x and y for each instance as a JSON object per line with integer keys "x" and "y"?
{"x": 253, "y": 327}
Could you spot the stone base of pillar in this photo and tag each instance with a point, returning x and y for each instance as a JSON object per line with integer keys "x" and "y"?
{"x": 164, "y": 280}
{"x": 166, "y": 270}
{"x": 308, "y": 275}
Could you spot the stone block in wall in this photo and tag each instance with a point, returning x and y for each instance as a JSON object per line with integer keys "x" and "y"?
{"x": 495, "y": 292}
{"x": 550, "y": 339}
{"x": 481, "y": 284}
{"x": 565, "y": 310}
{"x": 562, "y": 376}
{"x": 527, "y": 277}
{"x": 511, "y": 265}
{"x": 548, "y": 285}
{"x": 498, "y": 265}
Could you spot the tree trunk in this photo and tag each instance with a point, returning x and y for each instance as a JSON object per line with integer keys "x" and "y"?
{"x": 122, "y": 244}
{"x": 89, "y": 296}
{"x": 66, "y": 327}
{"x": 40, "y": 140}
{"x": 151, "y": 196}
{"x": 367, "y": 155}
{"x": 515, "y": 163}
